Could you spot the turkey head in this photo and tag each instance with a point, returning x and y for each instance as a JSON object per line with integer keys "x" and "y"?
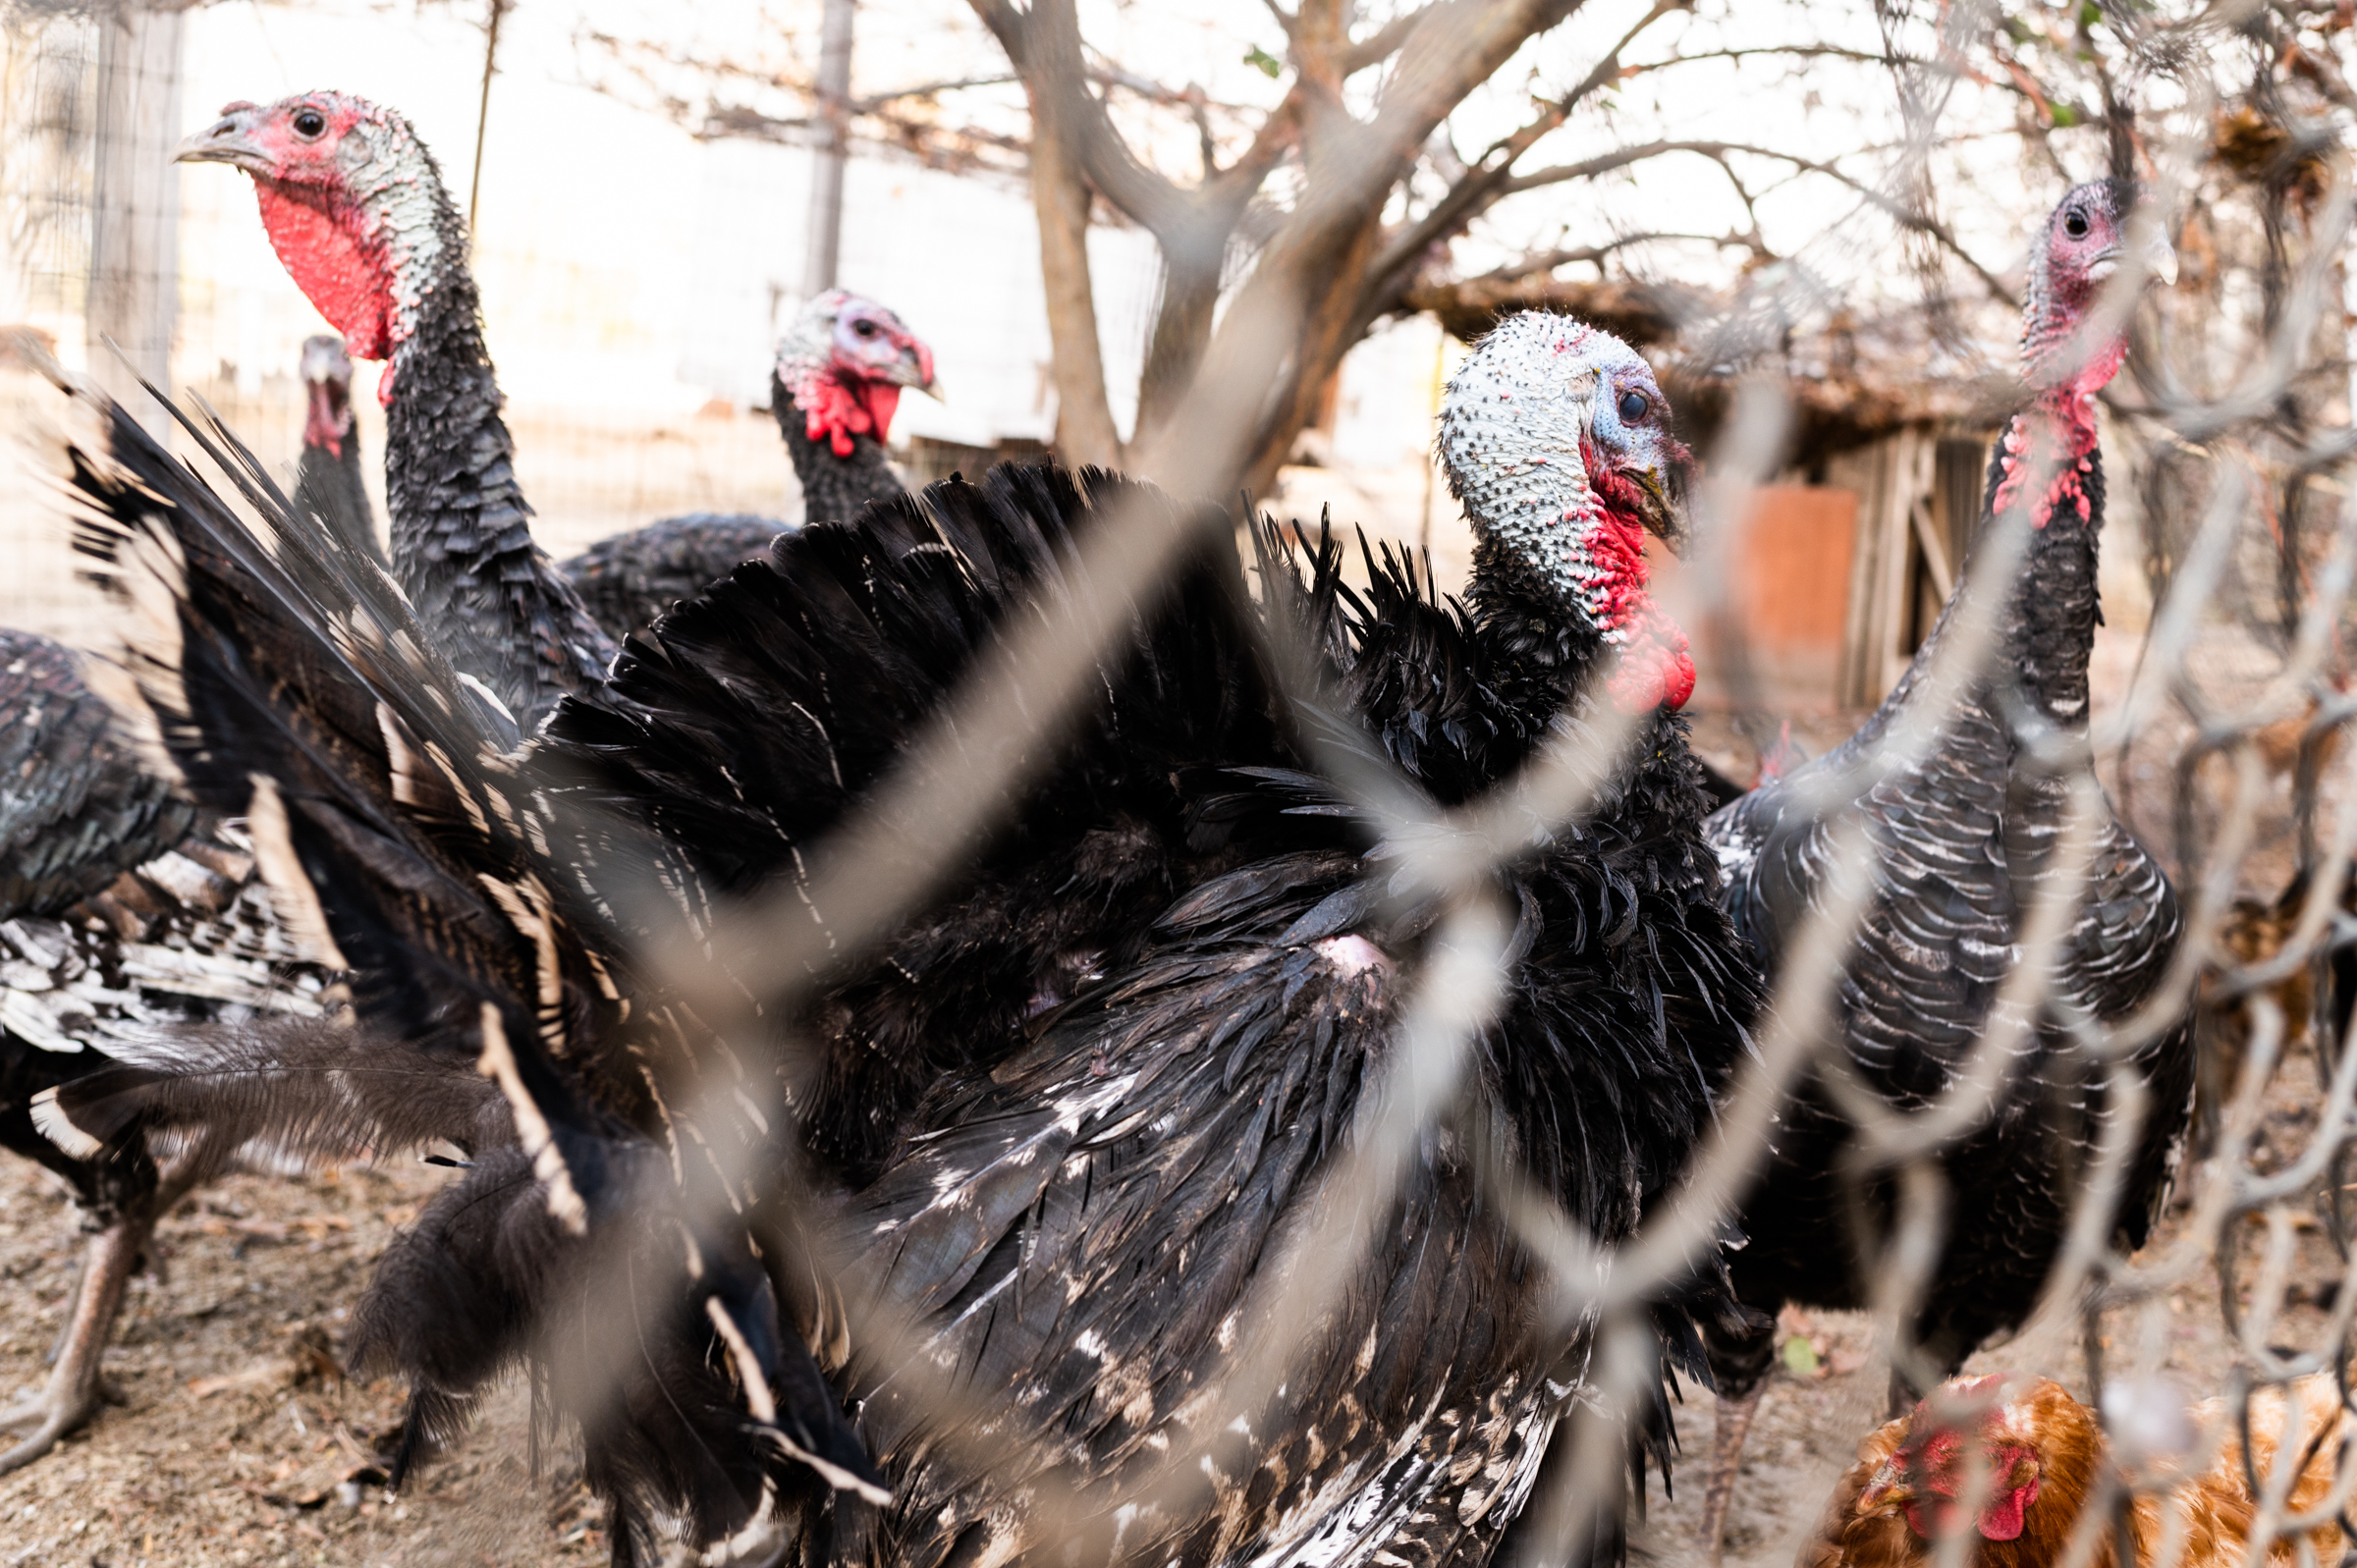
{"x": 843, "y": 362}
{"x": 2083, "y": 245}
{"x": 353, "y": 205}
{"x": 1556, "y": 439}
{"x": 327, "y": 380}
{"x": 2072, "y": 344}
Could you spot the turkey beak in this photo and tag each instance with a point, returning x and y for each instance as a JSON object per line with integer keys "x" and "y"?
{"x": 1664, "y": 505}
{"x": 914, "y": 368}
{"x": 228, "y": 139}
{"x": 1663, "y": 496}
{"x": 2160, "y": 262}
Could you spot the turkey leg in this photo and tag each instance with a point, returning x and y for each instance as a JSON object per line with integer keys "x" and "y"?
{"x": 74, "y": 1388}
{"x": 1731, "y": 1427}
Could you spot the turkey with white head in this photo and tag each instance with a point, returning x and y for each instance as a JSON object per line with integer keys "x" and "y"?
{"x": 835, "y": 386}
{"x": 355, "y": 207}
{"x": 1064, "y": 1118}
{"x": 327, "y": 477}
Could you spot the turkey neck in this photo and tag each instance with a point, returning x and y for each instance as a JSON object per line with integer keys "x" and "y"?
{"x": 2046, "y": 631}
{"x": 1546, "y": 650}
{"x": 2052, "y": 609}
{"x": 462, "y": 530}
{"x": 834, "y": 489}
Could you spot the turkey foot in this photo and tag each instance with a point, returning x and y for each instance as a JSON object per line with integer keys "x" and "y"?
{"x": 1732, "y": 1424}
{"x": 74, "y": 1386}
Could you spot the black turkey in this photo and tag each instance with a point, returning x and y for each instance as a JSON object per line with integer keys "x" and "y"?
{"x": 833, "y": 388}
{"x": 355, "y": 207}
{"x": 627, "y": 579}
{"x": 1963, "y": 838}
{"x": 127, "y": 917}
{"x": 1069, "y": 1112}
{"x": 327, "y": 477}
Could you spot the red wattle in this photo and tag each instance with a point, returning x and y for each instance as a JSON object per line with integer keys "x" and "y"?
{"x": 881, "y": 400}
{"x": 831, "y": 412}
{"x": 2002, "y": 1520}
{"x": 1655, "y": 667}
{"x": 345, "y": 276}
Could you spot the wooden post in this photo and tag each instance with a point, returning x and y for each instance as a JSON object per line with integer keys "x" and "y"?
{"x": 1894, "y": 479}
{"x": 826, "y": 175}
{"x": 482, "y": 111}
{"x": 135, "y": 201}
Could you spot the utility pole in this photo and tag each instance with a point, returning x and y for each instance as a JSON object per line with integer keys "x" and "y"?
{"x": 135, "y": 208}
{"x": 483, "y": 112}
{"x": 826, "y": 176}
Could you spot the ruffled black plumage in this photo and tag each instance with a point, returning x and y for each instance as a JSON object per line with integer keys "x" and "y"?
{"x": 629, "y": 579}
{"x": 126, "y": 913}
{"x": 1174, "y": 903}
{"x": 393, "y": 821}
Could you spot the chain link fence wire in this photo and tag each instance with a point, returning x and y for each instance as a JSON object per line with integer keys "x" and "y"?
{"x": 2225, "y": 746}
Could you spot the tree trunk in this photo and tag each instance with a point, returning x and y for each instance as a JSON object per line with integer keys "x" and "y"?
{"x": 1190, "y": 293}
{"x": 135, "y": 261}
{"x": 1331, "y": 323}
{"x": 1085, "y": 427}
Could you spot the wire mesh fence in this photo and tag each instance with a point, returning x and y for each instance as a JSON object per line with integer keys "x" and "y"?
{"x": 2216, "y": 734}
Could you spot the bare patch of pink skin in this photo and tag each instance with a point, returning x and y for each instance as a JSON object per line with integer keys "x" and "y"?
{"x": 2057, "y": 439}
{"x": 1939, "y": 1459}
{"x": 2067, "y": 415}
{"x": 2001, "y": 1517}
{"x": 1352, "y": 954}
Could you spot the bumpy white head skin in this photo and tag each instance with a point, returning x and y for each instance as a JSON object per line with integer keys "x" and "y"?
{"x": 1556, "y": 437}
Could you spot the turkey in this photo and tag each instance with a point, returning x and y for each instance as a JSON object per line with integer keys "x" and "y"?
{"x": 355, "y": 205}
{"x": 1961, "y": 838}
{"x": 356, "y": 208}
{"x": 835, "y": 388}
{"x": 626, "y": 579}
{"x": 126, "y": 915}
{"x": 1068, "y": 1111}
{"x": 327, "y": 478}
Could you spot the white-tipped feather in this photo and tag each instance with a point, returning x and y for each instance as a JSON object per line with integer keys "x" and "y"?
{"x": 51, "y": 1123}
{"x": 498, "y": 1063}
{"x": 292, "y": 896}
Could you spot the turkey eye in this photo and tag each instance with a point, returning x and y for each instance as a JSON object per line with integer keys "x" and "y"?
{"x": 2075, "y": 224}
{"x": 309, "y": 122}
{"x": 1632, "y": 406}
{"x": 865, "y": 329}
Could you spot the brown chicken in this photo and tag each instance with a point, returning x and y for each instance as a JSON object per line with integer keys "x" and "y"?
{"x": 2033, "y": 1456}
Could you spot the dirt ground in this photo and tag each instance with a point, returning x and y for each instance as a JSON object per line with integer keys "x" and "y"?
{"x": 238, "y": 1441}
